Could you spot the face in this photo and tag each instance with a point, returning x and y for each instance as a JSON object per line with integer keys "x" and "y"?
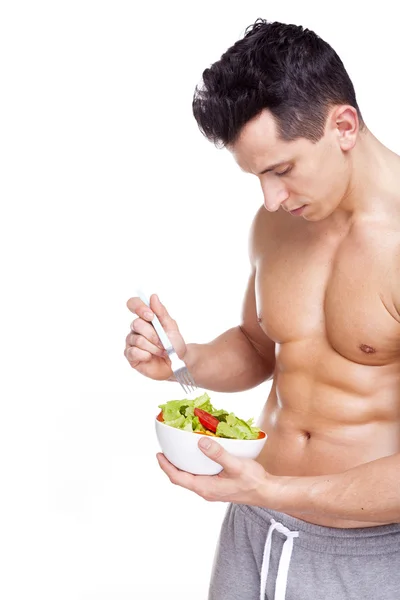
{"x": 304, "y": 178}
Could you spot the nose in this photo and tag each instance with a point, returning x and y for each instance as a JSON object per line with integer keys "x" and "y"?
{"x": 274, "y": 194}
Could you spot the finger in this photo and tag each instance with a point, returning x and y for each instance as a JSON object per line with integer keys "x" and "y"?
{"x": 231, "y": 464}
{"x": 156, "y": 369}
{"x": 210, "y": 487}
{"x": 165, "y": 318}
{"x": 133, "y": 363}
{"x": 141, "y": 342}
{"x": 134, "y": 339}
{"x": 176, "y": 476}
{"x": 146, "y": 330}
{"x": 138, "y": 307}
{"x": 136, "y": 355}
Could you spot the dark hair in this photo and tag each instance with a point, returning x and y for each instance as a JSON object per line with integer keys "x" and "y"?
{"x": 286, "y": 69}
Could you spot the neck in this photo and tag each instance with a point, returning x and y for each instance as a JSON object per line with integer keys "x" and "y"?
{"x": 374, "y": 181}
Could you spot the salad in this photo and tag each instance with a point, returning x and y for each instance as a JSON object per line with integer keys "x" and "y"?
{"x": 199, "y": 416}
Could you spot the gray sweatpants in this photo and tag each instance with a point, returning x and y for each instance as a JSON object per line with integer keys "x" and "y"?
{"x": 265, "y": 555}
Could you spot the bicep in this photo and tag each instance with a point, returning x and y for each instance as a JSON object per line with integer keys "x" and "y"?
{"x": 250, "y": 325}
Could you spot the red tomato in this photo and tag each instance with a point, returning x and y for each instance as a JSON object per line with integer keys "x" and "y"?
{"x": 160, "y": 417}
{"x": 207, "y": 420}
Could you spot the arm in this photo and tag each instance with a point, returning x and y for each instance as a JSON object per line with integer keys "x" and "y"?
{"x": 368, "y": 492}
{"x": 237, "y": 360}
{"x": 244, "y": 356}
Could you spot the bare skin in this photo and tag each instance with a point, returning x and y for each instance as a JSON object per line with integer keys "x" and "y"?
{"x": 334, "y": 403}
{"x": 321, "y": 314}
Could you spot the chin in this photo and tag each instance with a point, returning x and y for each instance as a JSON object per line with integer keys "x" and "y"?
{"x": 313, "y": 217}
{"x": 318, "y": 215}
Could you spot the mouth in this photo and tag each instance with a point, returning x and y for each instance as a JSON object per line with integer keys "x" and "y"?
{"x": 298, "y": 211}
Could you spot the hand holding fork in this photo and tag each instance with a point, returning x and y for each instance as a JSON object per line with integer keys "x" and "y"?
{"x": 155, "y": 347}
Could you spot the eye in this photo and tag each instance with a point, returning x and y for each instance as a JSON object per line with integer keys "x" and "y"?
{"x": 285, "y": 172}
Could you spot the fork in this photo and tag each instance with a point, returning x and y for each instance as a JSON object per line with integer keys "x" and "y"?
{"x": 179, "y": 369}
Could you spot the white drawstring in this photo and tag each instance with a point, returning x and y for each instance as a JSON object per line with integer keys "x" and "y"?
{"x": 283, "y": 569}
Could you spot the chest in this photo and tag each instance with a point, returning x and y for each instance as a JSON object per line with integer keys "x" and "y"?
{"x": 341, "y": 289}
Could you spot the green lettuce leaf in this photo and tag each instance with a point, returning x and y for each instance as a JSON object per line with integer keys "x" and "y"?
{"x": 180, "y": 414}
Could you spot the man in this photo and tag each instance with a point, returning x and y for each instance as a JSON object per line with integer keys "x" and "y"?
{"x": 317, "y": 516}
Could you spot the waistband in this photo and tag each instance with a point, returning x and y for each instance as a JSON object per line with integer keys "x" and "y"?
{"x": 381, "y": 539}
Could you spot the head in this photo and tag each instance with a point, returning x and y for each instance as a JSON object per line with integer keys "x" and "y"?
{"x": 282, "y": 102}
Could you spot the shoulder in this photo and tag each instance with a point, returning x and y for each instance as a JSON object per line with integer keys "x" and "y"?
{"x": 396, "y": 299}
{"x": 258, "y": 231}
{"x": 265, "y": 228}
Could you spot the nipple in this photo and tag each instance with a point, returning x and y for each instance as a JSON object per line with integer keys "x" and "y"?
{"x": 367, "y": 349}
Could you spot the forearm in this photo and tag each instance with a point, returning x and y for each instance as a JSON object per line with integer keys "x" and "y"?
{"x": 369, "y": 492}
{"x": 230, "y": 363}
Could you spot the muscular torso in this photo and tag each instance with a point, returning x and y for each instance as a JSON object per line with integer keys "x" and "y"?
{"x": 326, "y": 295}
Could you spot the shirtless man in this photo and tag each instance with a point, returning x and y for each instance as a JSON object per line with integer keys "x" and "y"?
{"x": 317, "y": 516}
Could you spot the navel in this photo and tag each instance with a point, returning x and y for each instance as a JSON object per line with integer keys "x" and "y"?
{"x": 367, "y": 349}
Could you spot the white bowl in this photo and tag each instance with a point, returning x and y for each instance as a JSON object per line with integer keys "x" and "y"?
{"x": 181, "y": 449}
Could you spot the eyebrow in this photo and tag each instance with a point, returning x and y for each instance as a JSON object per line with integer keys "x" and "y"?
{"x": 272, "y": 167}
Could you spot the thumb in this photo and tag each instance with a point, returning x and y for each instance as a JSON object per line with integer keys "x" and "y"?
{"x": 169, "y": 325}
{"x": 159, "y": 309}
{"x": 217, "y": 453}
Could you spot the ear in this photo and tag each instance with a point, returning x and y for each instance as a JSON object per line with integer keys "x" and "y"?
{"x": 344, "y": 120}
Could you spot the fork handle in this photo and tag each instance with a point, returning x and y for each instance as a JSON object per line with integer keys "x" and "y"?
{"x": 156, "y": 324}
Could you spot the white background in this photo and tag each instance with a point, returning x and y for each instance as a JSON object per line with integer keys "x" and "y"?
{"x": 105, "y": 177}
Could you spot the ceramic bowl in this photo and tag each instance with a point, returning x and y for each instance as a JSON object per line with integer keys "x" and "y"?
{"x": 181, "y": 449}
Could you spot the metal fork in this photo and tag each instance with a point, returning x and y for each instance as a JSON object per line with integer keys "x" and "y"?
{"x": 179, "y": 369}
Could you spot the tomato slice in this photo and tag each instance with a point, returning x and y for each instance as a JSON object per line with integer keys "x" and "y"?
{"x": 207, "y": 420}
{"x": 160, "y": 417}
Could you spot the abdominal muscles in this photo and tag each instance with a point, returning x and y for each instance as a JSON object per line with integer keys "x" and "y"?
{"x": 326, "y": 414}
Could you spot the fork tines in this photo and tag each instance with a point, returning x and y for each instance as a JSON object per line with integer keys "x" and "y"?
{"x": 185, "y": 379}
